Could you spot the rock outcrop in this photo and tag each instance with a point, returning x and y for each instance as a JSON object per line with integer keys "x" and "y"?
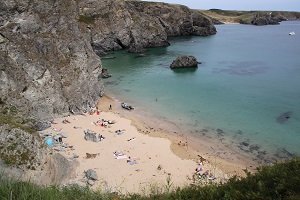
{"x": 20, "y": 148}
{"x": 135, "y": 25}
{"x": 250, "y": 17}
{"x": 47, "y": 65}
{"x": 265, "y": 19}
{"x": 184, "y": 62}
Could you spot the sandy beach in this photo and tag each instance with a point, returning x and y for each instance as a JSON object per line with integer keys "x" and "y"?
{"x": 135, "y": 157}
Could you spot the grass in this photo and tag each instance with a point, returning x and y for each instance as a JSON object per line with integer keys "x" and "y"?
{"x": 243, "y": 17}
{"x": 280, "y": 181}
{"x": 15, "y": 122}
{"x": 86, "y": 19}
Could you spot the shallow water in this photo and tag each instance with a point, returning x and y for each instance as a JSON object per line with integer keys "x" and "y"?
{"x": 249, "y": 76}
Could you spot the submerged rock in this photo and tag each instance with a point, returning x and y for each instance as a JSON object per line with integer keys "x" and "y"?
{"x": 284, "y": 117}
{"x": 184, "y": 62}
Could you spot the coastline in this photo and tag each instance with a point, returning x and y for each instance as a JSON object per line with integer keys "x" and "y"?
{"x": 162, "y": 158}
{"x": 186, "y": 145}
{"x": 163, "y": 154}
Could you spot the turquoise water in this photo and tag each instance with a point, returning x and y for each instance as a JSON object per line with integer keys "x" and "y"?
{"x": 249, "y": 76}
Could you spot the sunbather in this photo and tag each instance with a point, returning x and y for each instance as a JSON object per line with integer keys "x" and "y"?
{"x": 131, "y": 161}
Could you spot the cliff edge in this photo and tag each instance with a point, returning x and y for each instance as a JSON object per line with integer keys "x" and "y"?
{"x": 134, "y": 25}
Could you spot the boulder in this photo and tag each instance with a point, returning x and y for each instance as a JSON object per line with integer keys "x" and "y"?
{"x": 91, "y": 182}
{"x": 184, "y": 62}
{"x": 91, "y": 175}
{"x": 90, "y": 136}
{"x": 42, "y": 125}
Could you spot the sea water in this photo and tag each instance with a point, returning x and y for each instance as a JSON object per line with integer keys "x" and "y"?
{"x": 249, "y": 76}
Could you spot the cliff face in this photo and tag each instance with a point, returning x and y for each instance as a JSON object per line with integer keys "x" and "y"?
{"x": 119, "y": 24}
{"x": 47, "y": 66}
{"x": 48, "y": 63}
{"x": 257, "y": 18}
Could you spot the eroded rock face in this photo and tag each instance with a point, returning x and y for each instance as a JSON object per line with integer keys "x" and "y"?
{"x": 135, "y": 25}
{"x": 184, "y": 62}
{"x": 47, "y": 66}
{"x": 20, "y": 148}
{"x": 261, "y": 19}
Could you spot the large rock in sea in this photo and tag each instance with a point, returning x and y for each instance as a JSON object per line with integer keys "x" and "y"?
{"x": 184, "y": 62}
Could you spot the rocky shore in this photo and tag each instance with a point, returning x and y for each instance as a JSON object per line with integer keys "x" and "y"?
{"x": 257, "y": 18}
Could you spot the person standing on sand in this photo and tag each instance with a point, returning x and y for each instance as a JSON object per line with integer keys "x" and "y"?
{"x": 110, "y": 107}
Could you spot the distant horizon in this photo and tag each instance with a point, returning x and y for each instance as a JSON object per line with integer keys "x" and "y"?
{"x": 254, "y": 5}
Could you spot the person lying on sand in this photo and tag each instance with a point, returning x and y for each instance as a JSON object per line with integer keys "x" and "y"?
{"x": 131, "y": 139}
{"x": 65, "y": 121}
{"x": 199, "y": 169}
{"x": 131, "y": 161}
{"x": 119, "y": 132}
{"x": 119, "y": 155}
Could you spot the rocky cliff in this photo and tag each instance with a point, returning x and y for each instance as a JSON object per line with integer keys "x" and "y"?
{"x": 135, "y": 25}
{"x": 48, "y": 63}
{"x": 257, "y": 18}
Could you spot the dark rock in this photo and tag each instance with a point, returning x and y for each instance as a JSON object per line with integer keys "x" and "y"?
{"x": 284, "y": 154}
{"x": 261, "y": 19}
{"x": 245, "y": 144}
{"x": 284, "y": 117}
{"x": 105, "y": 73}
{"x": 254, "y": 147}
{"x": 42, "y": 125}
{"x": 135, "y": 25}
{"x": 90, "y": 136}
{"x": 136, "y": 49}
{"x": 219, "y": 131}
{"x": 91, "y": 175}
{"x": 184, "y": 62}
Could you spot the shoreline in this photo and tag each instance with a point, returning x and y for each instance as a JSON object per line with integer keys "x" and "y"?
{"x": 160, "y": 152}
{"x": 184, "y": 144}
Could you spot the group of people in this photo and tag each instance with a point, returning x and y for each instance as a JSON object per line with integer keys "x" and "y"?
{"x": 206, "y": 174}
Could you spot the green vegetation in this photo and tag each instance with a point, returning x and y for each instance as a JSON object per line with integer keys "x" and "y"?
{"x": 11, "y": 116}
{"x": 280, "y": 181}
{"x": 86, "y": 19}
{"x": 245, "y": 17}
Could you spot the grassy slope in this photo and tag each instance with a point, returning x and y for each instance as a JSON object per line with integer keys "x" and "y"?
{"x": 281, "y": 181}
{"x": 231, "y": 16}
